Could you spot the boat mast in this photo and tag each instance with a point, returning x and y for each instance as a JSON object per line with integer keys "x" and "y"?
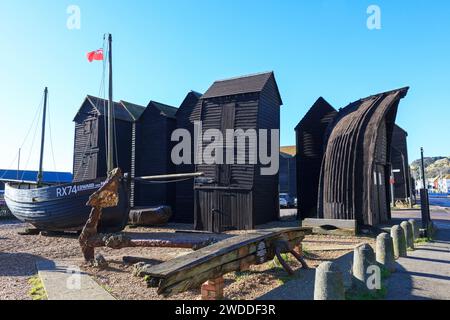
{"x": 110, "y": 143}
{"x": 41, "y": 159}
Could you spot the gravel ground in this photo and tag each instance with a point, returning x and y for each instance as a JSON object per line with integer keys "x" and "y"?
{"x": 18, "y": 255}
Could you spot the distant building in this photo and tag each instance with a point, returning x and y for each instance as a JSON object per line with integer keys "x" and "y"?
{"x": 444, "y": 184}
{"x": 287, "y": 180}
{"x": 28, "y": 178}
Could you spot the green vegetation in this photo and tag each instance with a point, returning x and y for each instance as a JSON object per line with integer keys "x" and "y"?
{"x": 422, "y": 240}
{"x": 434, "y": 166}
{"x": 37, "y": 291}
{"x": 354, "y": 294}
{"x": 276, "y": 264}
{"x": 368, "y": 295}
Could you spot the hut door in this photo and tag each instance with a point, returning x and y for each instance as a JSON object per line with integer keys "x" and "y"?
{"x": 227, "y": 122}
{"x": 224, "y": 211}
{"x": 380, "y": 201}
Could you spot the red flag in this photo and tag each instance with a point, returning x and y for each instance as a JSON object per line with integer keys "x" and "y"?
{"x": 95, "y": 55}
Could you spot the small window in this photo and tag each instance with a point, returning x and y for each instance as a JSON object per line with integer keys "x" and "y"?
{"x": 87, "y": 127}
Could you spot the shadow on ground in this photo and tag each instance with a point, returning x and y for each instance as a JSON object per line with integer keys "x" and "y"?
{"x": 18, "y": 264}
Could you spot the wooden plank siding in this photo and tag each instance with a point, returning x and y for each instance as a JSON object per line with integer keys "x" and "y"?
{"x": 354, "y": 180}
{"x": 310, "y": 140}
{"x": 89, "y": 140}
{"x": 239, "y": 197}
{"x": 400, "y": 161}
{"x": 153, "y": 148}
{"x": 184, "y": 204}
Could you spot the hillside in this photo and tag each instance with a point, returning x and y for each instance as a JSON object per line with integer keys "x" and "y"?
{"x": 434, "y": 166}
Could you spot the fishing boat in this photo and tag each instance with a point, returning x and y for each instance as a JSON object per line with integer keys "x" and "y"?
{"x": 63, "y": 207}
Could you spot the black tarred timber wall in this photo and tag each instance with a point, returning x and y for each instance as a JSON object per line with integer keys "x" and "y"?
{"x": 153, "y": 148}
{"x": 239, "y": 197}
{"x": 184, "y": 206}
{"x": 310, "y": 136}
{"x": 399, "y": 160}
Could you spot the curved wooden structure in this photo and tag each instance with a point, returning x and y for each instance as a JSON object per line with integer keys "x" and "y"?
{"x": 355, "y": 167}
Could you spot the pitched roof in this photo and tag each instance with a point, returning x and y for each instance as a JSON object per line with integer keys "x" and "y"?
{"x": 165, "y": 109}
{"x": 134, "y": 109}
{"x": 31, "y": 176}
{"x": 196, "y": 94}
{"x": 321, "y": 105}
{"x": 246, "y": 84}
{"x": 123, "y": 110}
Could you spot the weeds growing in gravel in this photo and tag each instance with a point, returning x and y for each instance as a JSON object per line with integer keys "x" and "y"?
{"x": 37, "y": 291}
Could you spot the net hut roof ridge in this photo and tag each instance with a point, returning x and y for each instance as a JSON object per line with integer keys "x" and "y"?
{"x": 135, "y": 110}
{"x": 123, "y": 110}
{"x": 164, "y": 109}
{"x": 320, "y": 102}
{"x": 396, "y": 126}
{"x": 252, "y": 83}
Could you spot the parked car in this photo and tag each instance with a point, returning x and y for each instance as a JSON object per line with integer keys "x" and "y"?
{"x": 290, "y": 201}
{"x": 283, "y": 202}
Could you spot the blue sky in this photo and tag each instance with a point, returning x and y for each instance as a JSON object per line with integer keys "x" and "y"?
{"x": 163, "y": 49}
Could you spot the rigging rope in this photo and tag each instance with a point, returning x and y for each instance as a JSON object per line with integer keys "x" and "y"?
{"x": 143, "y": 181}
{"x": 97, "y": 105}
{"x": 36, "y": 114}
{"x": 32, "y": 146}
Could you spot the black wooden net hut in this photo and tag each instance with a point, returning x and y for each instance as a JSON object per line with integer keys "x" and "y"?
{"x": 89, "y": 160}
{"x": 237, "y": 196}
{"x": 310, "y": 136}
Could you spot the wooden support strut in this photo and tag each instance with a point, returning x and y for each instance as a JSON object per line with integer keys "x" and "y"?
{"x": 283, "y": 246}
{"x": 233, "y": 254}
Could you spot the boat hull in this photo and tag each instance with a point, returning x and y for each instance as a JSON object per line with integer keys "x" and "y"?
{"x": 63, "y": 207}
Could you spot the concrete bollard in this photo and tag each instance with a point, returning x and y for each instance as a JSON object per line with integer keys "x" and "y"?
{"x": 399, "y": 242}
{"x": 416, "y": 229}
{"x": 363, "y": 258}
{"x": 385, "y": 252}
{"x": 329, "y": 283}
{"x": 407, "y": 229}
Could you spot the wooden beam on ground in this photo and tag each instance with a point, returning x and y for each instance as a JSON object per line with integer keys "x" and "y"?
{"x": 331, "y": 226}
{"x": 120, "y": 241}
{"x": 233, "y": 254}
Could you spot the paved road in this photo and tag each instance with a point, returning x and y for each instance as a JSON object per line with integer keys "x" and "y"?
{"x": 425, "y": 273}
